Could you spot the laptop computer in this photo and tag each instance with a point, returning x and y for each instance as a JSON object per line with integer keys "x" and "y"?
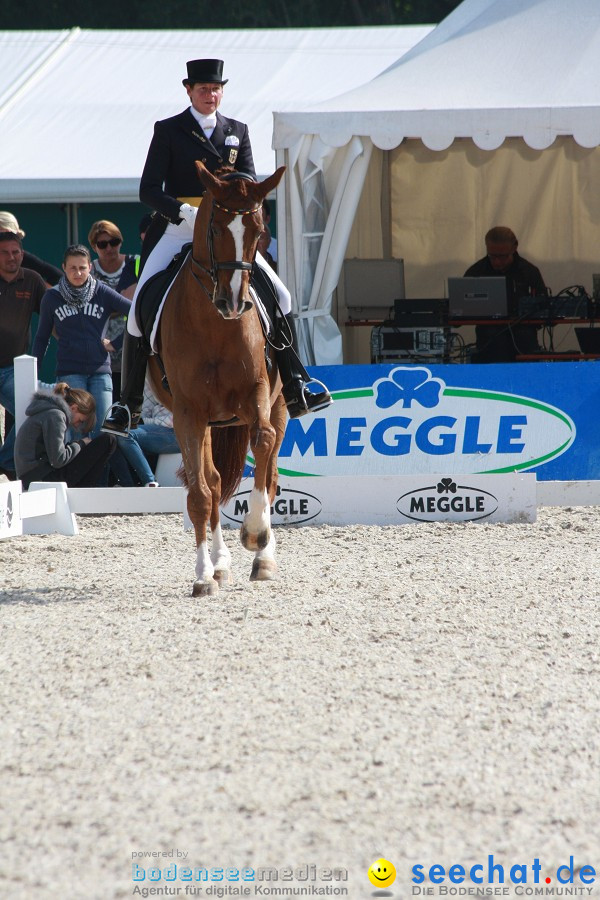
{"x": 589, "y": 339}
{"x": 477, "y": 298}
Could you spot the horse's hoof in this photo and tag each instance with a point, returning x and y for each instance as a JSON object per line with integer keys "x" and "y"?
{"x": 205, "y": 588}
{"x": 223, "y": 577}
{"x": 254, "y": 542}
{"x": 263, "y": 570}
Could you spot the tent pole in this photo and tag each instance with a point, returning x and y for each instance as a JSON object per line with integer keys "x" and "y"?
{"x": 386, "y": 206}
{"x": 72, "y": 224}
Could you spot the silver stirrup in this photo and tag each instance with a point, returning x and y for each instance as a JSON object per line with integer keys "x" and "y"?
{"x": 325, "y": 390}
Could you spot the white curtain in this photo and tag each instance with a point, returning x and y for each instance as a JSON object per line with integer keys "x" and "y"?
{"x": 320, "y": 196}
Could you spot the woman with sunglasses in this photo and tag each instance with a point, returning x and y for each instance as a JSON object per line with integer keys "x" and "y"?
{"x": 170, "y": 186}
{"x": 117, "y": 270}
{"x": 114, "y": 268}
{"x": 77, "y": 312}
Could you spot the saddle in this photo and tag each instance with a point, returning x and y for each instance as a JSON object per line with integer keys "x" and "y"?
{"x": 153, "y": 292}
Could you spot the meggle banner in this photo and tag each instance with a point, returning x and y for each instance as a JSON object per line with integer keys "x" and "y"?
{"x": 393, "y": 500}
{"x": 417, "y": 419}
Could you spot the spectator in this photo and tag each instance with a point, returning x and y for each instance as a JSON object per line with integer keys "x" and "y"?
{"x": 272, "y": 245}
{"x": 131, "y": 271}
{"x": 42, "y": 452}
{"x": 51, "y": 274}
{"x": 154, "y": 436}
{"x": 21, "y": 292}
{"x": 77, "y": 311}
{"x": 502, "y": 343}
{"x": 117, "y": 270}
{"x": 105, "y": 239}
{"x": 264, "y": 241}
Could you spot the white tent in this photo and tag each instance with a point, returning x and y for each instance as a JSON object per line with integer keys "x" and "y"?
{"x": 493, "y": 118}
{"x": 77, "y": 107}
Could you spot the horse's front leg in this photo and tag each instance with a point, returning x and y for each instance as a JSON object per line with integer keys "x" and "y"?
{"x": 191, "y": 437}
{"x": 220, "y": 556}
{"x": 256, "y": 527}
{"x": 264, "y": 566}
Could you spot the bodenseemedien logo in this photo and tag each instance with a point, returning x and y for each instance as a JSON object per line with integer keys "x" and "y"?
{"x": 185, "y": 880}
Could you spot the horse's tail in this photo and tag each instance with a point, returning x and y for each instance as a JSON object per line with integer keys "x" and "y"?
{"x": 229, "y": 448}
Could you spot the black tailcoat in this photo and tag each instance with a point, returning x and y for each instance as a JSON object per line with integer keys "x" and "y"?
{"x": 170, "y": 170}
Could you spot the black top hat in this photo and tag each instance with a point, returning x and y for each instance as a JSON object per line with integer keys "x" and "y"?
{"x": 205, "y": 71}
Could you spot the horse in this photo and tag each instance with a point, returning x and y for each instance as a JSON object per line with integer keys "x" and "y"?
{"x": 225, "y": 391}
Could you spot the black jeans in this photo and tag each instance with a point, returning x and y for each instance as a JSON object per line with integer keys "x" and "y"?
{"x": 85, "y": 470}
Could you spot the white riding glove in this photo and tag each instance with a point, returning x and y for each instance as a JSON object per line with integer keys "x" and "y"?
{"x": 188, "y": 213}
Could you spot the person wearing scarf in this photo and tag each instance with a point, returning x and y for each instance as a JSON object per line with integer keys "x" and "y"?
{"x": 77, "y": 312}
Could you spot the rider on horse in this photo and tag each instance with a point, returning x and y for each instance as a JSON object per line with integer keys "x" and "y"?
{"x": 170, "y": 185}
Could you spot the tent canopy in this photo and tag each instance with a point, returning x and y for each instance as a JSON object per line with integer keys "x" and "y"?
{"x": 493, "y": 73}
{"x": 492, "y": 69}
{"x": 77, "y": 107}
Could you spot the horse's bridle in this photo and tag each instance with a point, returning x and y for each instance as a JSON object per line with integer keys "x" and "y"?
{"x": 227, "y": 265}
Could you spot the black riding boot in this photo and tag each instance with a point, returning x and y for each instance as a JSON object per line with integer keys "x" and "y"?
{"x": 299, "y": 399}
{"x": 126, "y": 414}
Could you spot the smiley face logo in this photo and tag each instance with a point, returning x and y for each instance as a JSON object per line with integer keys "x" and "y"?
{"x": 382, "y": 873}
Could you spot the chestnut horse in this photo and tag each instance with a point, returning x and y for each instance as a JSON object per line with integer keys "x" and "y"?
{"x": 214, "y": 354}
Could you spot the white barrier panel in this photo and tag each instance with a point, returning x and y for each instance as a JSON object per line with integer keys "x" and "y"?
{"x": 126, "y": 501}
{"x": 49, "y": 508}
{"x": 26, "y": 384}
{"x": 166, "y": 469}
{"x": 568, "y": 493}
{"x": 394, "y": 500}
{"x": 44, "y": 509}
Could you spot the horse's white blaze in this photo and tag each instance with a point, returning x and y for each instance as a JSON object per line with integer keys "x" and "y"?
{"x": 237, "y": 231}
{"x": 204, "y": 567}
{"x": 258, "y": 517}
{"x": 219, "y": 554}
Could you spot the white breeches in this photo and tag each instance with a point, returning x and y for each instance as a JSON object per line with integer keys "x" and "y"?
{"x": 171, "y": 242}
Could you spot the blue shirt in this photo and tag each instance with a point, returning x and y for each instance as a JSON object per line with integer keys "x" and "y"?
{"x": 78, "y": 330}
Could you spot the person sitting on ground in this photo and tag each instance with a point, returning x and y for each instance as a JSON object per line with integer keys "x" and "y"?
{"x": 51, "y": 274}
{"x": 77, "y": 311}
{"x": 170, "y": 185}
{"x": 153, "y": 437}
{"x": 21, "y": 292}
{"x": 42, "y": 452}
{"x": 502, "y": 343}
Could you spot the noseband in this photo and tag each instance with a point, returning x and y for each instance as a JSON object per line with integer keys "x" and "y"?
{"x": 227, "y": 265}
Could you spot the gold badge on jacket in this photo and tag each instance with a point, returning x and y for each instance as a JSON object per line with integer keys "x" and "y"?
{"x": 232, "y": 156}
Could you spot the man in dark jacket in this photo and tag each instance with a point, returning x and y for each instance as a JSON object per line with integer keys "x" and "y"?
{"x": 21, "y": 291}
{"x": 171, "y": 186}
{"x": 501, "y": 343}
